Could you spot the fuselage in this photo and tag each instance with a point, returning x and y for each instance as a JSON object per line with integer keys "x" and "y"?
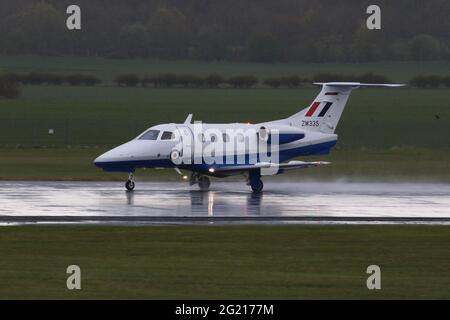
{"x": 153, "y": 148}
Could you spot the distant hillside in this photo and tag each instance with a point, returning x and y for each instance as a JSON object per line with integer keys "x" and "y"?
{"x": 234, "y": 30}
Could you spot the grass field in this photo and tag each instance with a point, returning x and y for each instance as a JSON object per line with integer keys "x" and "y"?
{"x": 405, "y": 164}
{"x": 108, "y": 116}
{"x": 404, "y": 131}
{"x": 225, "y": 262}
{"x": 108, "y": 68}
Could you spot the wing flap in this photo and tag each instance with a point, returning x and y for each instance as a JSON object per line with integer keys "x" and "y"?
{"x": 302, "y": 164}
{"x": 294, "y": 164}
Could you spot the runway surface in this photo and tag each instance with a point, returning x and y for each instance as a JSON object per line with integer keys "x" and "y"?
{"x": 226, "y": 203}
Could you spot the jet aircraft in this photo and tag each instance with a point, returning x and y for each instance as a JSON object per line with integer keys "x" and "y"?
{"x": 251, "y": 150}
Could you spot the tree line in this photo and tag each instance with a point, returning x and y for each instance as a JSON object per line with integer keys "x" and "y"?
{"x": 40, "y": 78}
{"x": 236, "y": 30}
{"x": 10, "y": 84}
{"x": 9, "y": 87}
{"x": 215, "y": 80}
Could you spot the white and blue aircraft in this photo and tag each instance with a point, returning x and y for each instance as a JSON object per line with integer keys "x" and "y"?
{"x": 308, "y": 132}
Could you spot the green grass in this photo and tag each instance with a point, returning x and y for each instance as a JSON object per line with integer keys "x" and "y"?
{"x": 225, "y": 262}
{"x": 404, "y": 164}
{"x": 383, "y": 132}
{"x": 108, "y": 68}
{"x": 108, "y": 116}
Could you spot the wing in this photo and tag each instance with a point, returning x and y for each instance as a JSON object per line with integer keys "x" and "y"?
{"x": 266, "y": 165}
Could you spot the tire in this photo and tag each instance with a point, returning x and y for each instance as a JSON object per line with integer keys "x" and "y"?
{"x": 257, "y": 186}
{"x": 204, "y": 183}
{"x": 130, "y": 185}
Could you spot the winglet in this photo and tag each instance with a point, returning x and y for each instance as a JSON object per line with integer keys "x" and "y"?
{"x": 188, "y": 119}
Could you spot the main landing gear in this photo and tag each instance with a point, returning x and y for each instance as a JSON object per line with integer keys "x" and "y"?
{"x": 257, "y": 186}
{"x": 202, "y": 181}
{"x": 254, "y": 181}
{"x": 130, "y": 182}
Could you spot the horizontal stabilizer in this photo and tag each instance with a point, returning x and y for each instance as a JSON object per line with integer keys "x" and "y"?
{"x": 358, "y": 84}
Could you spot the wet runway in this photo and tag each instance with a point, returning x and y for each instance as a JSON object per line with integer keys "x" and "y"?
{"x": 226, "y": 203}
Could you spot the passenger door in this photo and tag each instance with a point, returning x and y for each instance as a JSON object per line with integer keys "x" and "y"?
{"x": 187, "y": 143}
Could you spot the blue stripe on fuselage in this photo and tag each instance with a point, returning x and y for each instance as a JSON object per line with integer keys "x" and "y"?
{"x": 284, "y": 155}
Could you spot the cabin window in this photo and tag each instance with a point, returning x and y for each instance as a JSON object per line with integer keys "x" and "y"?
{"x": 225, "y": 137}
{"x": 201, "y": 137}
{"x": 167, "y": 135}
{"x": 150, "y": 135}
{"x": 213, "y": 138}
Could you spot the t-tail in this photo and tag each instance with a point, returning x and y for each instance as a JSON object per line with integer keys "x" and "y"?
{"x": 324, "y": 113}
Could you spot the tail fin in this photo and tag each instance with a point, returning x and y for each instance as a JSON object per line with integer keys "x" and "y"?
{"x": 324, "y": 113}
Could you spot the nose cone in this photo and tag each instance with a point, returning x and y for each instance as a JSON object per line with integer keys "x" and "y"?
{"x": 117, "y": 156}
{"x": 126, "y": 156}
{"x": 100, "y": 160}
{"x": 103, "y": 160}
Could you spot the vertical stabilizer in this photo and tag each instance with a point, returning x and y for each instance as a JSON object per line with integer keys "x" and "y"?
{"x": 325, "y": 111}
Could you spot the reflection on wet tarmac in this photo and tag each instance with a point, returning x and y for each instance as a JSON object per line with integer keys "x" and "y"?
{"x": 225, "y": 199}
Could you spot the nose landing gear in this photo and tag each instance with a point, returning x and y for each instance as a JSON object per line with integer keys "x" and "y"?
{"x": 129, "y": 185}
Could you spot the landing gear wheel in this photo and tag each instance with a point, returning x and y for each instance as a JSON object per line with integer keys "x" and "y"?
{"x": 204, "y": 183}
{"x": 130, "y": 185}
{"x": 257, "y": 186}
{"x": 130, "y": 182}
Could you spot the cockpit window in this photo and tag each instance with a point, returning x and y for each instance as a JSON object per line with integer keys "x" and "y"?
{"x": 150, "y": 135}
{"x": 167, "y": 135}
